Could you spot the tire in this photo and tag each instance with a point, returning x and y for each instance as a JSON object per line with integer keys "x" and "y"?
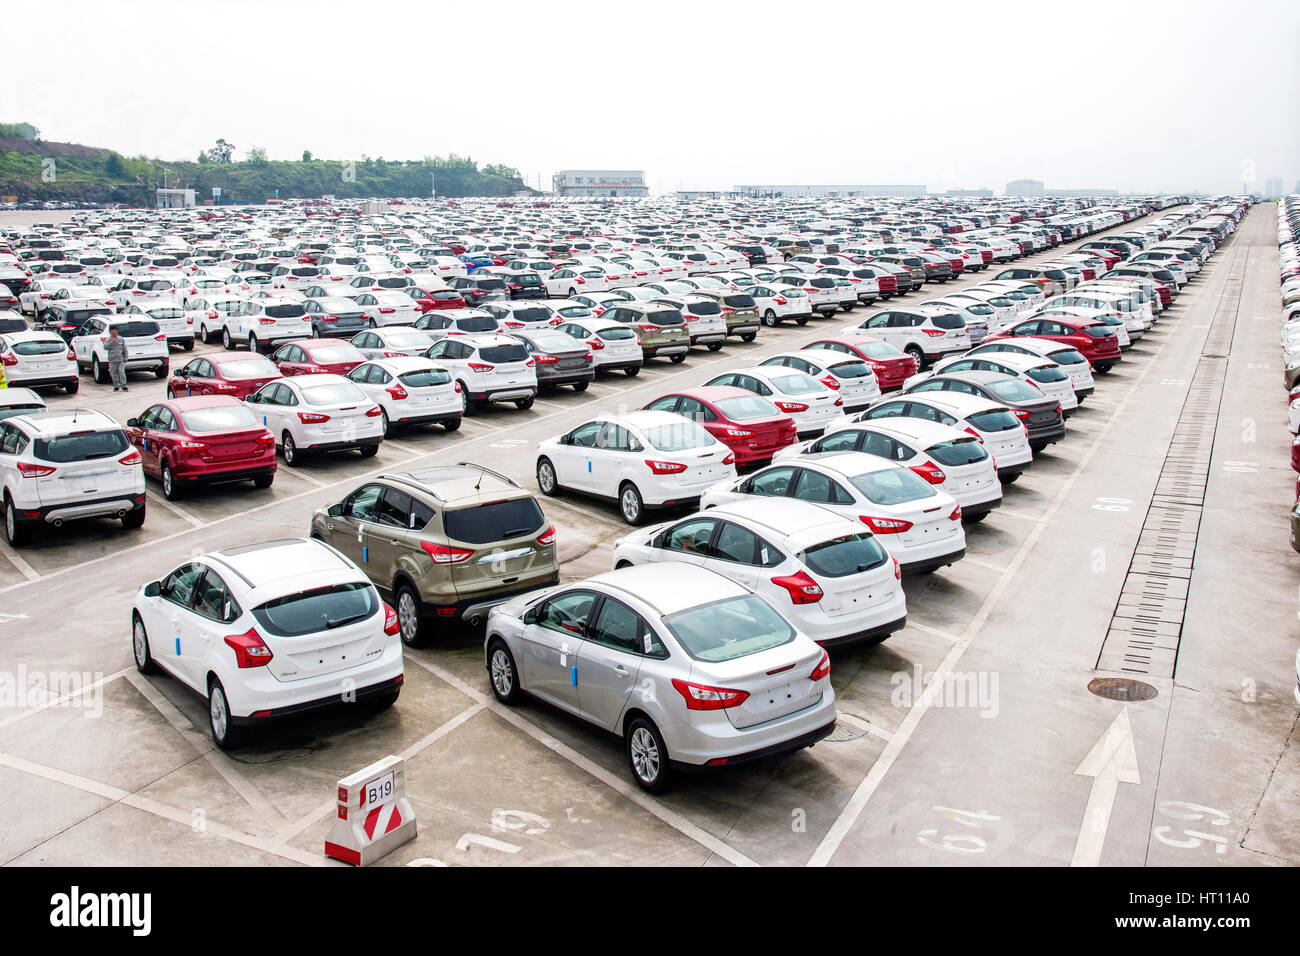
{"x": 748, "y": 336}
{"x": 546, "y": 478}
{"x": 227, "y": 342}
{"x": 1102, "y": 368}
{"x": 98, "y": 372}
{"x": 503, "y": 675}
{"x": 976, "y": 519}
{"x": 188, "y": 345}
{"x": 252, "y": 344}
{"x": 383, "y": 701}
{"x": 714, "y": 346}
{"x": 632, "y": 371}
{"x": 72, "y": 387}
{"x": 385, "y": 426}
{"x": 452, "y": 424}
{"x": 368, "y": 451}
{"x": 1009, "y": 479}
{"x": 134, "y": 519}
{"x": 16, "y": 533}
{"x": 162, "y": 371}
{"x": 769, "y": 319}
{"x": 410, "y": 616}
{"x": 647, "y": 755}
{"x": 677, "y": 359}
{"x": 204, "y": 335}
{"x": 144, "y": 661}
{"x": 264, "y": 481}
{"x": 371, "y": 324}
{"x": 1037, "y": 447}
{"x": 801, "y": 322}
{"x": 916, "y": 353}
{"x": 630, "y": 505}
{"x": 224, "y": 733}
{"x": 466, "y": 405}
{"x": 524, "y": 404}
{"x": 290, "y": 450}
{"x": 170, "y": 491}
{"x": 579, "y": 386}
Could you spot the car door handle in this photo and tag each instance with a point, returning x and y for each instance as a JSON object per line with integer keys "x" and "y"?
{"x": 620, "y": 670}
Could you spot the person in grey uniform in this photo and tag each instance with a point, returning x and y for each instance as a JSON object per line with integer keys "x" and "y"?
{"x": 116, "y": 349}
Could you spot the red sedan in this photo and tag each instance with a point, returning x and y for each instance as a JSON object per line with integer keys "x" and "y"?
{"x": 237, "y": 374}
{"x": 202, "y": 440}
{"x": 317, "y": 356}
{"x": 751, "y": 426}
{"x": 1096, "y": 340}
{"x": 892, "y": 366}
{"x": 426, "y": 300}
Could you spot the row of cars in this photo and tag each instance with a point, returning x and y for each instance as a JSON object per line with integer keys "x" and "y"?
{"x": 706, "y": 643}
{"x": 1288, "y": 240}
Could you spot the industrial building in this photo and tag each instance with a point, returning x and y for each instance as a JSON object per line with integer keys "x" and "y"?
{"x": 1024, "y": 187}
{"x": 175, "y": 198}
{"x": 620, "y": 183}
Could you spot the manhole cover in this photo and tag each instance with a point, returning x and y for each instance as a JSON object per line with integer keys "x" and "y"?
{"x": 843, "y": 733}
{"x": 1121, "y": 688}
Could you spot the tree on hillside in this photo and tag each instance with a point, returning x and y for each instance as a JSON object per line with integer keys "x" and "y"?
{"x": 222, "y": 152}
{"x": 255, "y": 155}
{"x": 113, "y": 166}
{"x": 306, "y": 155}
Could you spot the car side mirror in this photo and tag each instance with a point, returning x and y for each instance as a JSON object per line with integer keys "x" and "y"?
{"x": 530, "y": 616}
{"x": 152, "y": 589}
{"x": 335, "y": 511}
{"x": 133, "y": 423}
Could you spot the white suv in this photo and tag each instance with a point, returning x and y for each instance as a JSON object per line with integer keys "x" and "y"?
{"x": 488, "y": 368}
{"x": 265, "y": 322}
{"x": 269, "y": 629}
{"x": 926, "y": 333}
{"x": 37, "y": 359}
{"x": 62, "y": 466}
{"x": 146, "y": 345}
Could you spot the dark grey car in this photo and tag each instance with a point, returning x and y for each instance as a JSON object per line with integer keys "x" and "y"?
{"x": 561, "y": 359}
{"x": 335, "y": 315}
{"x": 1040, "y": 415}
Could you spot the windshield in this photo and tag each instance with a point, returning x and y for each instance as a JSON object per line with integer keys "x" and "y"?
{"x": 135, "y": 330}
{"x": 249, "y": 368}
{"x": 996, "y": 419}
{"x": 425, "y": 377}
{"x": 797, "y": 384}
{"x": 335, "y": 353}
{"x": 893, "y": 486}
{"x": 679, "y": 436}
{"x": 959, "y": 451}
{"x": 322, "y": 609}
{"x": 86, "y": 446}
{"x": 731, "y": 628}
{"x": 1014, "y": 390}
{"x": 39, "y": 347}
{"x": 746, "y": 408}
{"x": 500, "y": 354}
{"x": 219, "y": 419}
{"x": 498, "y": 521}
{"x": 851, "y": 554}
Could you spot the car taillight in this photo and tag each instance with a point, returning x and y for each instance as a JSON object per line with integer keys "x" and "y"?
{"x": 250, "y": 650}
{"x": 374, "y": 411}
{"x": 830, "y": 382}
{"x": 391, "y": 624}
{"x": 972, "y": 432}
{"x": 930, "y": 472}
{"x": 312, "y": 418}
{"x": 596, "y": 344}
{"x": 791, "y": 407}
{"x": 386, "y": 311}
{"x": 823, "y": 668}
{"x": 935, "y": 332}
{"x": 396, "y": 391}
{"x": 898, "y": 570}
{"x": 544, "y": 359}
{"x": 444, "y": 554}
{"x": 266, "y": 438}
{"x": 729, "y": 460}
{"x": 1058, "y": 409}
{"x": 193, "y": 447}
{"x": 28, "y": 470}
{"x": 885, "y": 525}
{"x": 839, "y": 403}
{"x": 956, "y": 514}
{"x": 737, "y": 433}
{"x": 704, "y": 697}
{"x": 480, "y": 367}
{"x": 664, "y": 467}
{"x": 547, "y": 536}
{"x": 801, "y": 588}
{"x": 9, "y": 358}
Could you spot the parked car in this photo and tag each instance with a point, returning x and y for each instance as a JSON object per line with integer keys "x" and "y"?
{"x": 314, "y": 414}
{"x": 751, "y": 426}
{"x": 489, "y": 369}
{"x": 222, "y": 373}
{"x": 37, "y": 360}
{"x": 409, "y": 391}
{"x": 811, "y": 404}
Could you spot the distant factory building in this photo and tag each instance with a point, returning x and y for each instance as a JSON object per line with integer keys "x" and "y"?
{"x": 1024, "y": 187}
{"x": 175, "y": 198}
{"x": 807, "y": 191}
{"x": 620, "y": 183}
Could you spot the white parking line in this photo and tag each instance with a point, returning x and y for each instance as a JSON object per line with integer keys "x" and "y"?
{"x": 60, "y": 701}
{"x": 627, "y": 790}
{"x": 299, "y": 473}
{"x": 181, "y": 513}
{"x": 926, "y": 628}
{"x": 25, "y": 569}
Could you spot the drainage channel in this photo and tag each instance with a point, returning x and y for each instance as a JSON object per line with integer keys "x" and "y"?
{"x": 1147, "y": 623}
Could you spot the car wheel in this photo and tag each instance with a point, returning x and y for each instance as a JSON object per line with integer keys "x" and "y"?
{"x": 188, "y": 345}
{"x": 97, "y": 371}
{"x": 368, "y": 451}
{"x": 769, "y": 319}
{"x": 264, "y": 481}
{"x": 466, "y": 406}
{"x": 134, "y": 519}
{"x": 579, "y": 386}
{"x": 714, "y": 346}
{"x": 224, "y": 732}
{"x": 630, "y": 504}
{"x": 385, "y": 700}
{"x": 162, "y": 371}
{"x": 503, "y": 673}
{"x": 371, "y": 324}
{"x": 227, "y": 342}
{"x": 204, "y": 335}
{"x": 677, "y": 359}
{"x": 647, "y": 756}
{"x": 16, "y": 533}
{"x": 170, "y": 491}
{"x": 916, "y": 353}
{"x": 1037, "y": 447}
{"x": 252, "y": 343}
{"x": 144, "y": 661}
{"x": 632, "y": 371}
{"x": 72, "y": 387}
{"x": 546, "y": 479}
{"x": 1102, "y": 368}
{"x": 975, "y": 519}
{"x": 451, "y": 424}
{"x": 385, "y": 426}
{"x": 290, "y": 450}
{"x": 524, "y": 403}
{"x": 410, "y": 616}
{"x": 748, "y": 337}
{"x": 1009, "y": 479}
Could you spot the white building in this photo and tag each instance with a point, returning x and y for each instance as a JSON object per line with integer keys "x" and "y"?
{"x": 621, "y": 183}
{"x": 175, "y": 198}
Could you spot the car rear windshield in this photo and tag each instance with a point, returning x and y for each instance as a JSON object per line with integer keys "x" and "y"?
{"x": 1014, "y": 390}
{"x": 219, "y": 419}
{"x": 893, "y": 486}
{"x": 134, "y": 330}
{"x": 665, "y": 318}
{"x": 738, "y": 301}
{"x": 1068, "y": 357}
{"x": 705, "y": 308}
{"x": 681, "y": 436}
{"x": 531, "y": 315}
{"x": 497, "y": 521}
{"x": 851, "y": 554}
{"x": 290, "y": 311}
{"x": 854, "y": 368}
{"x": 321, "y": 609}
{"x": 425, "y": 377}
{"x": 249, "y": 368}
{"x": 490, "y": 284}
{"x": 746, "y": 408}
{"x": 501, "y": 354}
{"x": 166, "y": 314}
{"x": 9, "y": 411}
{"x": 948, "y": 321}
{"x": 333, "y": 393}
{"x": 616, "y": 335}
{"x": 1046, "y": 373}
{"x": 330, "y": 354}
{"x": 996, "y": 419}
{"x": 39, "y": 348}
{"x": 575, "y": 312}
{"x": 407, "y": 339}
{"x": 79, "y": 316}
{"x": 528, "y": 279}
{"x": 86, "y": 446}
{"x": 959, "y": 451}
{"x": 731, "y": 628}
{"x": 797, "y": 384}
{"x": 477, "y": 323}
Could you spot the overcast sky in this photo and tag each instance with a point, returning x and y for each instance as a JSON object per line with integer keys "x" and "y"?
{"x": 1134, "y": 95}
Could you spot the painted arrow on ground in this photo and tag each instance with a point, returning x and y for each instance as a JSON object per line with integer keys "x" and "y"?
{"x": 1111, "y": 761}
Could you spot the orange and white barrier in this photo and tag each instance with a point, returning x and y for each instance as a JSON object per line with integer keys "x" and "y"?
{"x": 374, "y": 816}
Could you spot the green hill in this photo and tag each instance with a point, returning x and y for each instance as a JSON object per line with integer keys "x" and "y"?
{"x": 40, "y": 170}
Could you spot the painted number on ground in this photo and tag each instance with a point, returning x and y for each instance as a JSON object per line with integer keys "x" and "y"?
{"x": 1183, "y": 836}
{"x": 1111, "y": 504}
{"x": 958, "y": 841}
{"x": 1240, "y": 467}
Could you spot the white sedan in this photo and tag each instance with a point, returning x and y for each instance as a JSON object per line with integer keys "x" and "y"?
{"x": 389, "y": 343}
{"x": 318, "y": 413}
{"x": 641, "y": 459}
{"x": 387, "y": 308}
{"x": 812, "y": 405}
{"x": 850, "y": 376}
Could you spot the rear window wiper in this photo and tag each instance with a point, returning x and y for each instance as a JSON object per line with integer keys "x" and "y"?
{"x": 340, "y": 621}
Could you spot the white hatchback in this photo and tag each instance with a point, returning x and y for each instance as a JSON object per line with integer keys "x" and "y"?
{"x": 850, "y": 376}
{"x": 318, "y": 413}
{"x": 812, "y": 405}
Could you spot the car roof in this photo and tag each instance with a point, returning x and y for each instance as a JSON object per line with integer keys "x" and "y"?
{"x": 849, "y": 464}
{"x": 670, "y": 586}
{"x": 959, "y": 403}
{"x": 790, "y": 517}
{"x": 271, "y": 569}
{"x": 63, "y": 422}
{"x": 15, "y": 395}
{"x": 462, "y": 483}
{"x": 920, "y": 429}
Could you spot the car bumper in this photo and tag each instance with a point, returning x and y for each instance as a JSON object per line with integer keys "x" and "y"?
{"x": 109, "y": 506}
{"x": 217, "y": 475}
{"x": 1047, "y": 434}
{"x": 505, "y": 394}
{"x": 828, "y": 629}
{"x": 716, "y": 741}
{"x": 567, "y": 378}
{"x": 477, "y": 605}
{"x": 323, "y": 447}
{"x": 263, "y": 696}
{"x": 920, "y": 565}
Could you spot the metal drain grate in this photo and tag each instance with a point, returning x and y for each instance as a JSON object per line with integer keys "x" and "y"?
{"x": 1146, "y": 626}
